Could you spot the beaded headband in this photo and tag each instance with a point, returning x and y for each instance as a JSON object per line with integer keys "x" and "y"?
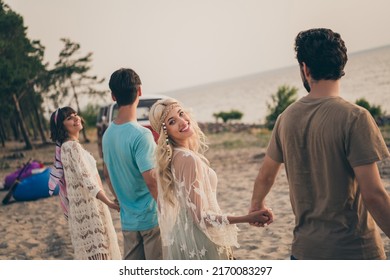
{"x": 166, "y": 112}
{"x": 163, "y": 126}
{"x": 167, "y": 141}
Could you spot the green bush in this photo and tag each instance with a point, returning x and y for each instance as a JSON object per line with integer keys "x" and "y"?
{"x": 280, "y": 101}
{"x": 226, "y": 116}
{"x": 375, "y": 111}
{"x": 89, "y": 115}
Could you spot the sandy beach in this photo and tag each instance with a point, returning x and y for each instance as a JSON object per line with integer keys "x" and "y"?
{"x": 36, "y": 230}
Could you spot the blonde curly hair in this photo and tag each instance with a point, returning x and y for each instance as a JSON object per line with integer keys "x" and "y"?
{"x": 165, "y": 144}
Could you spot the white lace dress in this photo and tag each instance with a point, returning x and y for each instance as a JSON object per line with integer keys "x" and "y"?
{"x": 91, "y": 228}
{"x": 194, "y": 228}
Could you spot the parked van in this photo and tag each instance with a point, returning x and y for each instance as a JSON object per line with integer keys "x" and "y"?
{"x": 109, "y": 112}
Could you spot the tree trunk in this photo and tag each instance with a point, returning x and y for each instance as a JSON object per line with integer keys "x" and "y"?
{"x": 23, "y": 129}
{"x": 2, "y": 140}
{"x": 2, "y": 133}
{"x": 38, "y": 116}
{"x": 32, "y": 125}
{"x": 38, "y": 120}
{"x": 15, "y": 127}
{"x": 79, "y": 111}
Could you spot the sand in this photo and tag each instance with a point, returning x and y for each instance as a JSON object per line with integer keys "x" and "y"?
{"x": 36, "y": 230}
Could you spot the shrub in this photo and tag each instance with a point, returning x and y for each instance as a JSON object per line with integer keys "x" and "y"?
{"x": 226, "y": 116}
{"x": 375, "y": 111}
{"x": 280, "y": 101}
{"x": 89, "y": 115}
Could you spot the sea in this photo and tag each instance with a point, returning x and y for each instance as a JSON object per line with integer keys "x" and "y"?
{"x": 367, "y": 76}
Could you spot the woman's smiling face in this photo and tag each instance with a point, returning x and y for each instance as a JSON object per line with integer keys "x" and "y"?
{"x": 73, "y": 125}
{"x": 179, "y": 127}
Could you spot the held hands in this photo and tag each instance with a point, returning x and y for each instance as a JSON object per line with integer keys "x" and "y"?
{"x": 114, "y": 205}
{"x": 261, "y": 218}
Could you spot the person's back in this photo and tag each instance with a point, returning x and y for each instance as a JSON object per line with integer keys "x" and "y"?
{"x": 128, "y": 157}
{"x": 123, "y": 150}
{"x": 320, "y": 146}
{"x": 330, "y": 148}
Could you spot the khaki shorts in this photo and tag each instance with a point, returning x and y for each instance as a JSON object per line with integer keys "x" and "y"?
{"x": 142, "y": 245}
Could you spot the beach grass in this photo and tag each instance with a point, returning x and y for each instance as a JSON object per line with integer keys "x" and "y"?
{"x": 258, "y": 137}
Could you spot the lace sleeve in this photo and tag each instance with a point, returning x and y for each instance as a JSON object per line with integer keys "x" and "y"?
{"x": 187, "y": 173}
{"x": 199, "y": 196}
{"x": 77, "y": 169}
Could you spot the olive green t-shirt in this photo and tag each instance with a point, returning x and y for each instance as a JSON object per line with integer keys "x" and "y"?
{"x": 320, "y": 141}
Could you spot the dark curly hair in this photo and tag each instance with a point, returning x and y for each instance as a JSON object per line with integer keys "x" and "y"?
{"x": 323, "y": 51}
{"x": 124, "y": 84}
{"x": 58, "y": 133}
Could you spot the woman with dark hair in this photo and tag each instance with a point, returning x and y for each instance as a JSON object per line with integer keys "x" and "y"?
{"x": 83, "y": 199}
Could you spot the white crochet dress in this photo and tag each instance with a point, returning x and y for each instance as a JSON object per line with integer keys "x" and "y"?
{"x": 194, "y": 228}
{"x": 91, "y": 228}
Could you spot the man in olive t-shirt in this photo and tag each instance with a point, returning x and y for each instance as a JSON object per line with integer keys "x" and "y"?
{"x": 329, "y": 148}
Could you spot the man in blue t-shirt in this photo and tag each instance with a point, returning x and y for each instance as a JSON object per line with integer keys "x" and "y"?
{"x": 128, "y": 150}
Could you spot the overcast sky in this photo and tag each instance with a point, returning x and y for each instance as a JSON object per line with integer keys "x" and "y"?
{"x": 174, "y": 44}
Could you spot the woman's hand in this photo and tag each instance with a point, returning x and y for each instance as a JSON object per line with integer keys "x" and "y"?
{"x": 261, "y": 218}
{"x": 114, "y": 205}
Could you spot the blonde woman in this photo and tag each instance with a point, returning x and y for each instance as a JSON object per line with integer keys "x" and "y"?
{"x": 191, "y": 222}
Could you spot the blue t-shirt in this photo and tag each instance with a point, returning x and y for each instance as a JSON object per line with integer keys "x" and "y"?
{"x": 128, "y": 151}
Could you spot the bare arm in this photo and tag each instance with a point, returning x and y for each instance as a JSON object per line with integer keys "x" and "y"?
{"x": 374, "y": 195}
{"x": 263, "y": 183}
{"x": 258, "y": 217}
{"x": 261, "y": 217}
{"x": 151, "y": 182}
{"x": 101, "y": 195}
